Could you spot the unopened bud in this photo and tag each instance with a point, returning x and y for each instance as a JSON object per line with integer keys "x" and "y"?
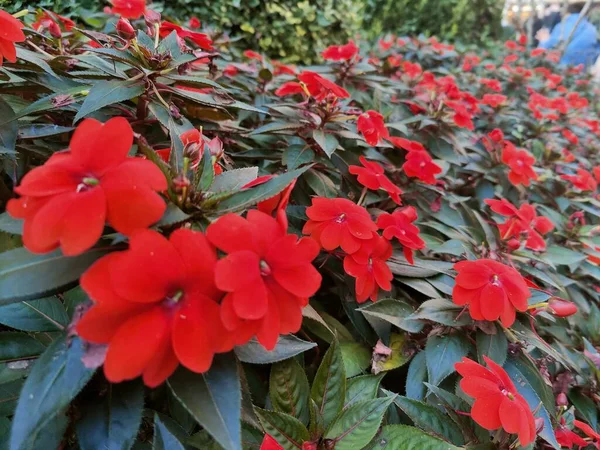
{"x": 561, "y": 400}
{"x": 539, "y": 424}
{"x": 513, "y": 244}
{"x": 125, "y": 30}
{"x": 151, "y": 17}
{"x": 309, "y": 446}
{"x": 561, "y": 308}
{"x": 54, "y": 29}
{"x": 180, "y": 183}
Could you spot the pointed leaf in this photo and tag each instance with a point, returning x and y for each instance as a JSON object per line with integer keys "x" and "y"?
{"x": 105, "y": 93}
{"x": 288, "y": 431}
{"x": 329, "y": 386}
{"x": 442, "y": 352}
{"x": 287, "y": 346}
{"x": 234, "y": 180}
{"x": 163, "y": 438}
{"x": 289, "y": 389}
{"x": 494, "y": 346}
{"x": 361, "y": 388}
{"x": 416, "y": 377}
{"x": 403, "y": 437}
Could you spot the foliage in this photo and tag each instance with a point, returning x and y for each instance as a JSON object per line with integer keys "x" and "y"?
{"x": 235, "y": 254}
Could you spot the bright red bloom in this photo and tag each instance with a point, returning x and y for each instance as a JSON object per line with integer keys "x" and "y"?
{"x": 406, "y": 144}
{"x": 496, "y": 135}
{"x": 10, "y": 32}
{"x": 491, "y": 83}
{"x": 267, "y": 274}
{"x": 386, "y": 45}
{"x": 463, "y": 119}
{"x": 493, "y": 100}
{"x": 567, "y": 438}
{"x": 155, "y": 305}
{"x": 130, "y": 9}
{"x": 413, "y": 70}
{"x": 253, "y": 55}
{"x": 269, "y": 443}
{"x": 337, "y": 222}
{"x": 195, "y": 23}
{"x": 400, "y": 225}
{"x": 420, "y": 165}
{"x": 200, "y": 39}
{"x": 497, "y": 401}
{"x": 67, "y": 201}
{"x": 276, "y": 205}
{"x": 570, "y": 157}
{"x": 314, "y": 84}
{"x": 570, "y": 136}
{"x": 341, "y": 52}
{"x": 368, "y": 265}
{"x": 373, "y": 177}
{"x": 491, "y": 289}
{"x": 537, "y": 52}
{"x": 51, "y": 22}
{"x": 589, "y": 432}
{"x": 583, "y": 180}
{"x": 372, "y": 127}
{"x": 521, "y": 164}
{"x": 522, "y": 222}
{"x": 230, "y": 71}
{"x": 282, "y": 69}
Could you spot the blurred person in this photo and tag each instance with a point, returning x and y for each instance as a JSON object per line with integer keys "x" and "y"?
{"x": 583, "y": 46}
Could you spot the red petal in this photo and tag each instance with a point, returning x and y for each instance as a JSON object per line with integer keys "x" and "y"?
{"x": 162, "y": 365}
{"x": 10, "y": 28}
{"x": 42, "y": 232}
{"x": 303, "y": 281}
{"x": 51, "y": 179}
{"x": 251, "y": 301}
{"x": 268, "y": 333}
{"x": 492, "y": 301}
{"x": 472, "y": 276}
{"x": 83, "y": 222}
{"x": 231, "y": 233}
{"x": 237, "y": 270}
{"x": 134, "y": 208}
{"x": 485, "y": 411}
{"x": 331, "y": 236}
{"x": 469, "y": 368}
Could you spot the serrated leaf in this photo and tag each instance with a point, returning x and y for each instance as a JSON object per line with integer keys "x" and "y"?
{"x": 55, "y": 379}
{"x": 356, "y": 357}
{"x": 289, "y": 389}
{"x": 416, "y": 377}
{"x": 233, "y": 180}
{"x": 163, "y": 438}
{"x": 297, "y": 155}
{"x": 327, "y": 141}
{"x": 585, "y": 407}
{"x": 430, "y": 419}
{"x": 213, "y": 398}
{"x": 395, "y": 312}
{"x": 442, "y": 352}
{"x": 329, "y": 385}
{"x": 403, "y": 437}
{"x": 288, "y": 431}
{"x": 113, "y": 422}
{"x": 361, "y": 388}
{"x": 25, "y": 276}
{"x": 249, "y": 197}
{"x": 287, "y": 347}
{"x": 105, "y": 93}
{"x": 494, "y": 346}
{"x": 358, "y": 424}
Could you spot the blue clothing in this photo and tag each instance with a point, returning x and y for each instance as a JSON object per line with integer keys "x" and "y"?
{"x": 582, "y": 48}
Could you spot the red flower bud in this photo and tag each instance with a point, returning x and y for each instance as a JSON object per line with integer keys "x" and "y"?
{"x": 309, "y": 446}
{"x": 125, "y": 29}
{"x": 561, "y": 400}
{"x": 539, "y": 424}
{"x": 561, "y": 308}
{"x": 151, "y": 17}
{"x": 513, "y": 244}
{"x": 54, "y": 29}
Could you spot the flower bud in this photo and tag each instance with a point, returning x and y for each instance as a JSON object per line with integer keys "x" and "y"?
{"x": 309, "y": 446}
{"x": 561, "y": 400}
{"x": 539, "y": 424}
{"x": 54, "y": 29}
{"x": 151, "y": 17}
{"x": 561, "y": 308}
{"x": 125, "y": 30}
{"x": 513, "y": 244}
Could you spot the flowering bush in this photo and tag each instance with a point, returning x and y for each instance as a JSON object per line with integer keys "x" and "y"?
{"x": 397, "y": 249}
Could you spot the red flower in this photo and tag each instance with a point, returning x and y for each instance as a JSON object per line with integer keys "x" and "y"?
{"x": 497, "y": 401}
{"x": 200, "y": 39}
{"x": 521, "y": 164}
{"x": 400, "y": 225}
{"x": 493, "y": 100}
{"x": 130, "y": 9}
{"x": 269, "y": 443}
{"x": 267, "y": 274}
{"x": 511, "y": 45}
{"x": 341, "y": 52}
{"x": 282, "y": 69}
{"x": 253, "y": 55}
{"x": 413, "y": 70}
{"x": 570, "y": 157}
{"x": 195, "y": 23}
{"x": 537, "y": 52}
{"x": 496, "y": 135}
{"x": 567, "y": 438}
{"x": 276, "y": 204}
{"x": 372, "y": 127}
{"x": 337, "y": 222}
{"x": 491, "y": 83}
{"x": 406, "y": 144}
{"x": 155, "y": 305}
{"x": 522, "y": 222}
{"x": 570, "y": 136}
{"x": 230, "y": 71}
{"x": 50, "y": 21}
{"x": 368, "y": 266}
{"x": 315, "y": 85}
{"x": 463, "y": 119}
{"x": 386, "y": 45}
{"x": 420, "y": 165}
{"x": 10, "y": 32}
{"x": 583, "y": 180}
{"x": 67, "y": 201}
{"x": 589, "y": 432}
{"x": 372, "y": 176}
{"x": 491, "y": 289}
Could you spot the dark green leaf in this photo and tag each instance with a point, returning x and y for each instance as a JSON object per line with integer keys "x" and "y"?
{"x": 585, "y": 407}
{"x": 10, "y": 225}
{"x": 395, "y": 312}
{"x": 296, "y": 155}
{"x": 361, "y": 388}
{"x": 289, "y": 389}
{"x": 207, "y": 176}
{"x": 55, "y": 379}
{"x": 356, "y": 357}
{"x": 233, "y": 180}
{"x": 105, "y": 93}
{"x": 403, "y": 437}
{"x": 329, "y": 386}
{"x": 494, "y": 346}
{"x": 163, "y": 438}
{"x": 416, "y": 377}
{"x": 288, "y": 431}
{"x": 442, "y": 352}
{"x": 214, "y": 399}
{"x": 287, "y": 347}
{"x": 42, "y": 130}
{"x": 8, "y": 131}
{"x": 442, "y": 311}
{"x": 326, "y": 141}
{"x": 46, "y": 314}
{"x": 15, "y": 346}
{"x": 274, "y": 127}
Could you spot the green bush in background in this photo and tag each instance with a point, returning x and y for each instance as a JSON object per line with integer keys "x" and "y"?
{"x": 296, "y": 31}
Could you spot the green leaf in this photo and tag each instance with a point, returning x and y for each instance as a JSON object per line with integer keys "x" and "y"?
{"x": 442, "y": 311}
{"x": 297, "y": 155}
{"x": 55, "y": 379}
{"x": 46, "y": 314}
{"x": 163, "y": 438}
{"x": 274, "y": 127}
{"x": 494, "y": 346}
{"x": 329, "y": 386}
{"x": 112, "y": 422}
{"x": 185, "y": 80}
{"x": 9, "y": 130}
{"x": 25, "y": 276}
{"x": 420, "y": 269}
{"x": 442, "y": 352}
{"x": 289, "y": 389}
{"x": 15, "y": 346}
{"x": 320, "y": 183}
{"x": 562, "y": 256}
{"x": 395, "y": 312}
{"x": 287, "y": 347}
{"x": 233, "y": 180}
{"x": 105, "y": 93}
{"x": 416, "y": 377}
{"x": 36, "y": 130}
{"x": 288, "y": 431}
{"x": 326, "y": 141}
{"x": 361, "y": 388}
{"x": 10, "y": 225}
{"x": 213, "y": 398}
{"x": 430, "y": 419}
{"x": 585, "y": 407}
{"x": 358, "y": 424}
{"x": 528, "y": 392}
{"x": 245, "y": 199}
{"x": 356, "y": 357}
{"x": 9, "y": 396}
{"x": 207, "y": 176}
{"x": 403, "y": 437}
